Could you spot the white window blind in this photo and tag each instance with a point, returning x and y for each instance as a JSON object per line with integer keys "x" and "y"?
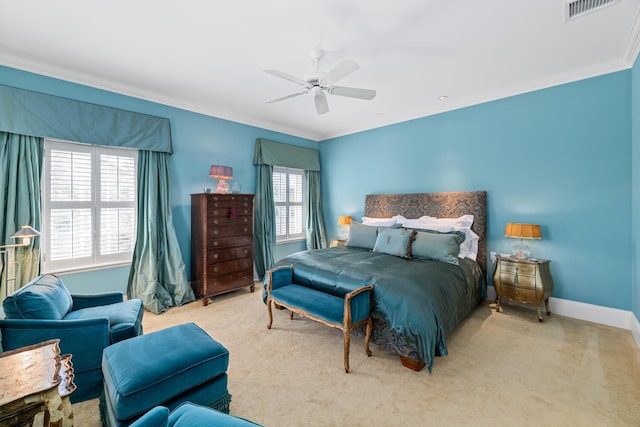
{"x": 89, "y": 206}
{"x": 288, "y": 191}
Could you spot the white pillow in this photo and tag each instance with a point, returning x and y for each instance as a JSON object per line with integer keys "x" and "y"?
{"x": 413, "y": 223}
{"x": 463, "y": 221}
{"x": 380, "y": 222}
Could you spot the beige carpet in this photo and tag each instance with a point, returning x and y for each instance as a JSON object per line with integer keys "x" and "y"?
{"x": 503, "y": 369}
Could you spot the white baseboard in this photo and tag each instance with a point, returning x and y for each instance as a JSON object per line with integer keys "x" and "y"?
{"x": 589, "y": 312}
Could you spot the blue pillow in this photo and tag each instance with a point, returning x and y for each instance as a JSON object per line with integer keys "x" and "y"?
{"x": 45, "y": 297}
{"x": 394, "y": 241}
{"x": 362, "y": 236}
{"x": 431, "y": 244}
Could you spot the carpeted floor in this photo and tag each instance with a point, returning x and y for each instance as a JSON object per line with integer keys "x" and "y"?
{"x": 503, "y": 369}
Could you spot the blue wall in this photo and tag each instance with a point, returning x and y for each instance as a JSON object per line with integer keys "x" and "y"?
{"x": 635, "y": 186}
{"x": 198, "y": 142}
{"x": 560, "y": 157}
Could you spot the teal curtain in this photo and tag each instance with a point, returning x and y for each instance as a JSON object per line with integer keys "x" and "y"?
{"x": 20, "y": 170}
{"x": 264, "y": 220}
{"x": 266, "y": 155}
{"x": 158, "y": 275}
{"x": 26, "y": 112}
{"x": 315, "y": 232}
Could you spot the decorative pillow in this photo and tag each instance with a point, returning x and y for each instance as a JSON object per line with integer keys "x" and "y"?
{"x": 394, "y": 241}
{"x": 45, "y": 297}
{"x": 468, "y": 248}
{"x": 430, "y": 244}
{"x": 362, "y": 236}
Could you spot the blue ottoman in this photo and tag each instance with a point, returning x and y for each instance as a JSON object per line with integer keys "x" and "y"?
{"x": 168, "y": 367}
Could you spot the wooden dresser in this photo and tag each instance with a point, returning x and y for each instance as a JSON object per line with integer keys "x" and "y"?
{"x": 221, "y": 243}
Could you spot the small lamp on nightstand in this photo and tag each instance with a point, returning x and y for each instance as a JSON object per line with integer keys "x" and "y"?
{"x": 344, "y": 222}
{"x": 522, "y": 231}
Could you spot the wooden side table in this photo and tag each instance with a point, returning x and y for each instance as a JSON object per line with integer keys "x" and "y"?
{"x": 35, "y": 379}
{"x": 524, "y": 281}
{"x": 338, "y": 242}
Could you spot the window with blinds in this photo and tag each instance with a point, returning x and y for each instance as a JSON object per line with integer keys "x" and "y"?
{"x": 288, "y": 191}
{"x": 89, "y": 206}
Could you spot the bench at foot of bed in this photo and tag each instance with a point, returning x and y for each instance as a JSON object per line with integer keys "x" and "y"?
{"x": 346, "y": 307}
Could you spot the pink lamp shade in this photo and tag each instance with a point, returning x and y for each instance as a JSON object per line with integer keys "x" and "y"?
{"x": 221, "y": 172}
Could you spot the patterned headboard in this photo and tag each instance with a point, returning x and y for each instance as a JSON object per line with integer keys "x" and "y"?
{"x": 441, "y": 205}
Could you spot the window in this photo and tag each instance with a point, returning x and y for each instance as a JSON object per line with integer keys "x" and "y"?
{"x": 89, "y": 206}
{"x": 288, "y": 190}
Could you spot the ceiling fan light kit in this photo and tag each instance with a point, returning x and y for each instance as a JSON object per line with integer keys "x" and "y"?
{"x": 320, "y": 83}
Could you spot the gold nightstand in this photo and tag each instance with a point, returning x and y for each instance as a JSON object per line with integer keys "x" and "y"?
{"x": 338, "y": 242}
{"x": 524, "y": 281}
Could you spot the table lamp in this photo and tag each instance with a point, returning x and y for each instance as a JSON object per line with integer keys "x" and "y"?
{"x": 222, "y": 173}
{"x": 522, "y": 231}
{"x": 344, "y": 222}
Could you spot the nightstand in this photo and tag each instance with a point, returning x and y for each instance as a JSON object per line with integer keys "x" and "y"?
{"x": 524, "y": 281}
{"x": 338, "y": 242}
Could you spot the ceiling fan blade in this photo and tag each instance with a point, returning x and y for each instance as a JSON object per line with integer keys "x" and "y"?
{"x": 321, "y": 103}
{"x": 287, "y": 77}
{"x": 353, "y": 92}
{"x": 341, "y": 70}
{"x": 285, "y": 97}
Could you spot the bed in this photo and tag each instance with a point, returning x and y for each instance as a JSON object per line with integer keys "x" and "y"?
{"x": 417, "y": 302}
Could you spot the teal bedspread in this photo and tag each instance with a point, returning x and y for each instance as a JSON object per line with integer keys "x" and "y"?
{"x": 421, "y": 300}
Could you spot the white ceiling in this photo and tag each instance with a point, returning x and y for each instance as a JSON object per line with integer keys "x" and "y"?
{"x": 208, "y": 56}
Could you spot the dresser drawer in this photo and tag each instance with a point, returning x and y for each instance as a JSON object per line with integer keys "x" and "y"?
{"x": 229, "y": 242}
{"x": 214, "y": 256}
{"x": 226, "y": 267}
{"x": 237, "y": 229}
{"x": 216, "y": 285}
{"x": 523, "y": 295}
{"x": 225, "y": 221}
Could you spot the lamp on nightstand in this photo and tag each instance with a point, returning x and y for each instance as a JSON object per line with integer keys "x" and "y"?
{"x": 522, "y": 231}
{"x": 344, "y": 222}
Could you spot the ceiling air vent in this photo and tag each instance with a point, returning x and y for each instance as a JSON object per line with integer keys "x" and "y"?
{"x": 578, "y": 8}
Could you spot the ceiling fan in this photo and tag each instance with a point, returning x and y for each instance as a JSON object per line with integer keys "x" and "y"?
{"x": 319, "y": 83}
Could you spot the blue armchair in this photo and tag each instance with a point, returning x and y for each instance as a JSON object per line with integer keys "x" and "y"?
{"x": 44, "y": 309}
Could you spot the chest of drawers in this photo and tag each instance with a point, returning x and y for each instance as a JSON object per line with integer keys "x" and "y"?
{"x": 523, "y": 281}
{"x": 221, "y": 243}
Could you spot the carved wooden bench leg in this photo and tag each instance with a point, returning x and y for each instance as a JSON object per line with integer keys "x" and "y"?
{"x": 270, "y": 313}
{"x": 367, "y": 337}
{"x": 347, "y": 345}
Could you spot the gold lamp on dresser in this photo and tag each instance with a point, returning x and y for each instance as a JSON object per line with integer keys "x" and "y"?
{"x": 519, "y": 277}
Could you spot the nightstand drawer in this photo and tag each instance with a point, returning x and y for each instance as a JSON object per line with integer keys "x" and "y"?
{"x": 511, "y": 268}
{"x": 519, "y": 280}
{"x": 523, "y": 295}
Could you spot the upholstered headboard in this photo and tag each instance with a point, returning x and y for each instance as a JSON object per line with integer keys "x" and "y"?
{"x": 441, "y": 205}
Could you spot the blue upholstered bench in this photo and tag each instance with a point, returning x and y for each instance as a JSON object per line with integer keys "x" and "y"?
{"x": 167, "y": 367}
{"x": 190, "y": 415}
{"x": 344, "y": 304}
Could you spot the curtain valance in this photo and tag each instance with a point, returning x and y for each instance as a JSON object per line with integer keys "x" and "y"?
{"x": 285, "y": 155}
{"x": 32, "y": 113}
